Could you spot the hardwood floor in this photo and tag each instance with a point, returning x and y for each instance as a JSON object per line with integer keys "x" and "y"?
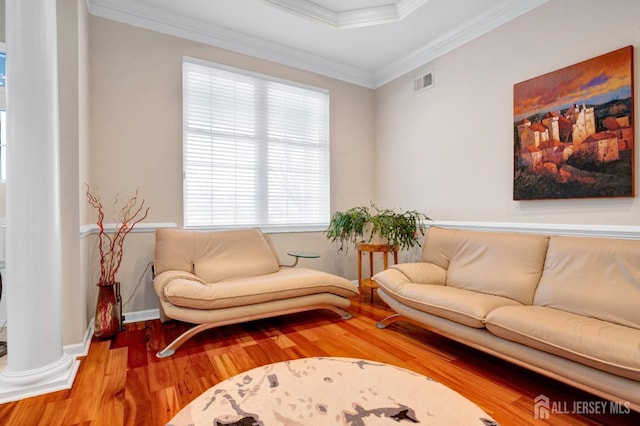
{"x": 121, "y": 382}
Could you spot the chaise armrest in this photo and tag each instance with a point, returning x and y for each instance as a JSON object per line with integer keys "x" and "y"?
{"x": 164, "y": 278}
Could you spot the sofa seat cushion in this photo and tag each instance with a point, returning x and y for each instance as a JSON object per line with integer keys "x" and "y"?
{"x": 462, "y": 306}
{"x": 284, "y": 284}
{"x": 599, "y": 344}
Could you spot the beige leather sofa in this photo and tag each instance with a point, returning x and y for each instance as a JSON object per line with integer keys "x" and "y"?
{"x": 226, "y": 277}
{"x": 566, "y": 307}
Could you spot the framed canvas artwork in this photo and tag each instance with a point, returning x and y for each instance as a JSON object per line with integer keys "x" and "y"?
{"x": 573, "y": 131}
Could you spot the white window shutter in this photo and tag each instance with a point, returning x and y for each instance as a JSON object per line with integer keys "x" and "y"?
{"x": 256, "y": 151}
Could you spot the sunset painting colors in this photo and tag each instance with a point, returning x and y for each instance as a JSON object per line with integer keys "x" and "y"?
{"x": 574, "y": 132}
{"x": 595, "y": 81}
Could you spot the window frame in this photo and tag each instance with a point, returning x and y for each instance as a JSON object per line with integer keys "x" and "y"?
{"x": 264, "y": 227}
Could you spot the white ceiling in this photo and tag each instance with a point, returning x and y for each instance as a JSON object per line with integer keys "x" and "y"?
{"x": 365, "y": 42}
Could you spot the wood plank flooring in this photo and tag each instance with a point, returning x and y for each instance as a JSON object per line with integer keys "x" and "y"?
{"x": 121, "y": 382}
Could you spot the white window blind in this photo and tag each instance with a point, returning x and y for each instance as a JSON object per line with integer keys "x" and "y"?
{"x": 256, "y": 150}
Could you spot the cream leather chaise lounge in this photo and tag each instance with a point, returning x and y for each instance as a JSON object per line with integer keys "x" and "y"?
{"x": 226, "y": 277}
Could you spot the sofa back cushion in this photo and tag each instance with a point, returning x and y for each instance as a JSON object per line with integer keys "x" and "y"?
{"x": 499, "y": 263}
{"x": 594, "y": 277}
{"x": 173, "y": 250}
{"x": 215, "y": 256}
{"x": 437, "y": 246}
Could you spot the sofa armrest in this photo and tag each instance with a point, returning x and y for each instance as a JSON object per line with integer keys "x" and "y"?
{"x": 422, "y": 273}
{"x": 411, "y": 273}
{"x": 164, "y": 278}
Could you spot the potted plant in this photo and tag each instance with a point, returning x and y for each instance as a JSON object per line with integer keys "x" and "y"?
{"x": 365, "y": 224}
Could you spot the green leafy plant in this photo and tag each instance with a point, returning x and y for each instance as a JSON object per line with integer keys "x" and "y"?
{"x": 362, "y": 223}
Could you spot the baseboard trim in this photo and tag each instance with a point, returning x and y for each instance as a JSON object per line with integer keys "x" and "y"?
{"x": 81, "y": 349}
{"x": 149, "y": 314}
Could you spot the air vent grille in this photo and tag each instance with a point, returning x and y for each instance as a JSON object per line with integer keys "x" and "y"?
{"x": 423, "y": 82}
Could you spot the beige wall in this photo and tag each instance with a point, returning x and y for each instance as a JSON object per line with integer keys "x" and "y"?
{"x": 136, "y": 117}
{"x": 449, "y": 148}
{"x": 136, "y": 138}
{"x": 446, "y": 151}
{"x": 72, "y": 80}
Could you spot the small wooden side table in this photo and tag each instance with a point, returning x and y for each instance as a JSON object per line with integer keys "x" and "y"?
{"x": 385, "y": 249}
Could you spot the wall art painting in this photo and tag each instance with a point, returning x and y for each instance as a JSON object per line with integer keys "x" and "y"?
{"x": 573, "y": 131}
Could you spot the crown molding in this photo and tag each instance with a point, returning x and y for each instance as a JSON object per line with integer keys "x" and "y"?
{"x": 375, "y": 15}
{"x": 407, "y": 7}
{"x": 157, "y": 20}
{"x": 490, "y": 20}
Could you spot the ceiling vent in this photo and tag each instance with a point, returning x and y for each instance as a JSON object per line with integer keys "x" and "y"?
{"x": 425, "y": 81}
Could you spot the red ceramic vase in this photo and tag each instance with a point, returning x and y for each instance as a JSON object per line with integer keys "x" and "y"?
{"x": 107, "y": 322}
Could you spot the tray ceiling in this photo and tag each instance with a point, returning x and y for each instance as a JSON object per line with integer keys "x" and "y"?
{"x": 365, "y": 42}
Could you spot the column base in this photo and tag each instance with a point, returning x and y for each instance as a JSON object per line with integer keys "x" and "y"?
{"x": 54, "y": 377}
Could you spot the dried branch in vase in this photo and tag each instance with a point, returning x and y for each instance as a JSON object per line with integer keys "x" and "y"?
{"x": 111, "y": 245}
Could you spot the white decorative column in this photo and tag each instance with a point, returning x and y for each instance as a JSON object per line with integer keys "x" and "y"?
{"x": 36, "y": 360}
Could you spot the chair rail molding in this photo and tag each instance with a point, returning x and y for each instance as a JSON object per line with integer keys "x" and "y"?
{"x": 581, "y": 230}
{"x": 86, "y": 230}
